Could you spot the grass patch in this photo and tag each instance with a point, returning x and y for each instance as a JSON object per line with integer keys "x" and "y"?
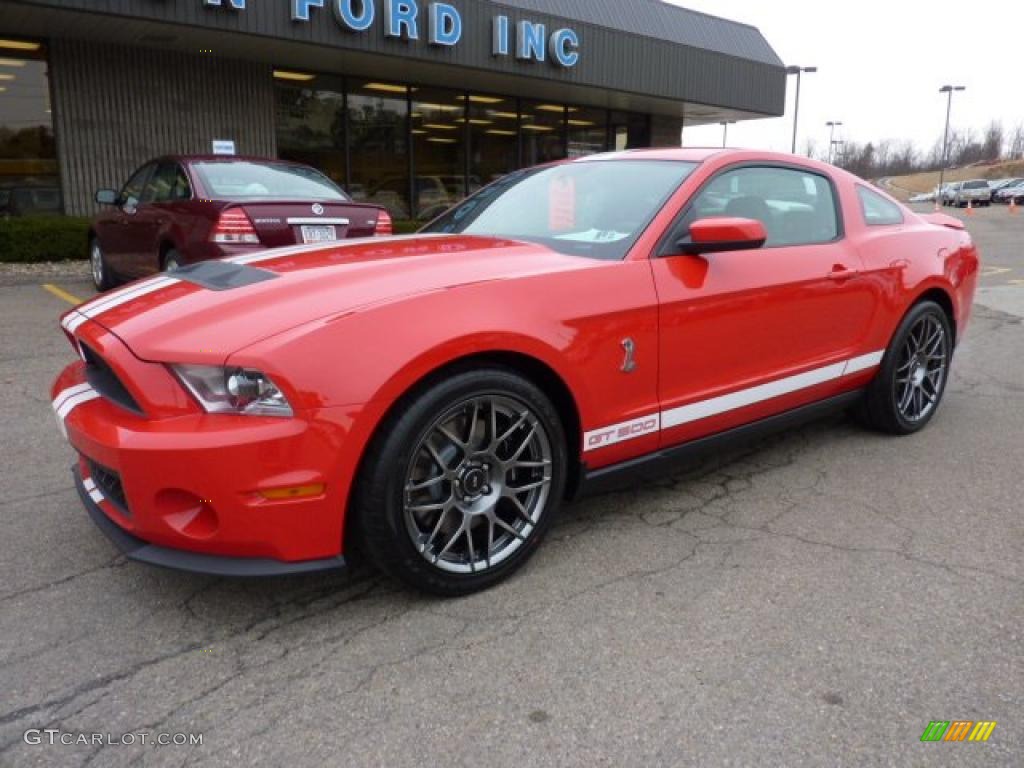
{"x": 926, "y": 182}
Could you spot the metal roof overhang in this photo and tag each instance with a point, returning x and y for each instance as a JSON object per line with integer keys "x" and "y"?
{"x": 617, "y": 69}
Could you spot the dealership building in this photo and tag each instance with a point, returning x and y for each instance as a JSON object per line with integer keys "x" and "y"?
{"x": 408, "y": 103}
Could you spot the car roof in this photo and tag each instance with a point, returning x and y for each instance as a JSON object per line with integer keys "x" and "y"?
{"x": 208, "y": 158}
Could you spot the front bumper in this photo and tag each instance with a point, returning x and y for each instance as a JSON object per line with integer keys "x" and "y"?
{"x": 182, "y": 560}
{"x": 197, "y": 491}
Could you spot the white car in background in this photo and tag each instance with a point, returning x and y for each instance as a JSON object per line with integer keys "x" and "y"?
{"x": 973, "y": 192}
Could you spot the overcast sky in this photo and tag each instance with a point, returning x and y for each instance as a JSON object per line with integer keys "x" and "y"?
{"x": 880, "y": 65}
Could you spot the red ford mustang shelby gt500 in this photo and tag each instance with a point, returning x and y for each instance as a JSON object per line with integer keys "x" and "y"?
{"x": 432, "y": 399}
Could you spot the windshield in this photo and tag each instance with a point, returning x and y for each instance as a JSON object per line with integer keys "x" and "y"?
{"x": 255, "y": 181}
{"x": 595, "y": 208}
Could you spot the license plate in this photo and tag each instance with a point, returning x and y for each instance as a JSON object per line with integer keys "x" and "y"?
{"x": 325, "y": 234}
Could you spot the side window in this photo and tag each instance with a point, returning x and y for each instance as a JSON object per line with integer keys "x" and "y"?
{"x": 796, "y": 207}
{"x": 877, "y": 210}
{"x": 158, "y": 188}
{"x": 133, "y": 188}
{"x": 182, "y": 190}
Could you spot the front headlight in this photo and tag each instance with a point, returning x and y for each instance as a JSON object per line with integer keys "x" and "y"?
{"x": 233, "y": 390}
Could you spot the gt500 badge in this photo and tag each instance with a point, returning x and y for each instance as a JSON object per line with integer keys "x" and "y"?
{"x": 627, "y": 430}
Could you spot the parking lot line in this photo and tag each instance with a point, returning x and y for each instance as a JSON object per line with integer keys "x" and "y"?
{"x": 60, "y": 293}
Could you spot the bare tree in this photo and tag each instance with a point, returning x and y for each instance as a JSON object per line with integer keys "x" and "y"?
{"x": 992, "y": 144}
{"x": 1016, "y": 150}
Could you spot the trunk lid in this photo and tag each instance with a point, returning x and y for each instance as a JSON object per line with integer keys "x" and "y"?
{"x": 280, "y": 223}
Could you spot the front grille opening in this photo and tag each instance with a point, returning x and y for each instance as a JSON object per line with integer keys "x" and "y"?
{"x": 109, "y": 483}
{"x": 103, "y": 379}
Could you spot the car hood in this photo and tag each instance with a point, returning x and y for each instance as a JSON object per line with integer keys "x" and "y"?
{"x": 208, "y": 311}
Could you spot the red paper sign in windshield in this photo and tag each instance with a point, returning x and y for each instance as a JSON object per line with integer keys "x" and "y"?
{"x": 562, "y": 204}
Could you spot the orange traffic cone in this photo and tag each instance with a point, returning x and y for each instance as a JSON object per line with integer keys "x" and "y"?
{"x": 970, "y": 208}
{"x": 1013, "y": 205}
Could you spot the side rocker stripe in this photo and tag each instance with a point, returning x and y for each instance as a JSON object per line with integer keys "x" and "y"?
{"x": 686, "y": 414}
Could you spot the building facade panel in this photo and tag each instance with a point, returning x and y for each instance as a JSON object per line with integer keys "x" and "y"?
{"x": 116, "y": 106}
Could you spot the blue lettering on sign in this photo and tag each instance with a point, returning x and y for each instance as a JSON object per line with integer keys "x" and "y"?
{"x": 445, "y": 24}
{"x": 238, "y": 5}
{"x": 499, "y": 36}
{"x": 530, "y": 44}
{"x": 401, "y": 20}
{"x": 344, "y": 12}
{"x": 401, "y": 13}
{"x": 564, "y": 47}
{"x": 300, "y": 8}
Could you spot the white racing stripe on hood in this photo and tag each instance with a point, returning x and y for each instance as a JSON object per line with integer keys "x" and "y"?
{"x": 72, "y": 321}
{"x": 99, "y": 307}
{"x": 104, "y": 297}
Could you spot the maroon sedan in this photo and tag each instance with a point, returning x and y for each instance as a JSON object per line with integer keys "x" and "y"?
{"x": 178, "y": 210}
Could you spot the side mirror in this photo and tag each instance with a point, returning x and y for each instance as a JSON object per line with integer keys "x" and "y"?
{"x": 106, "y": 196}
{"x": 715, "y": 235}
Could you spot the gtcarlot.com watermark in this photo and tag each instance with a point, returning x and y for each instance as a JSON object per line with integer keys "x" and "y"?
{"x": 55, "y": 736}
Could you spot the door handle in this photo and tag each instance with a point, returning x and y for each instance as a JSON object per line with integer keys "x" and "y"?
{"x": 842, "y": 272}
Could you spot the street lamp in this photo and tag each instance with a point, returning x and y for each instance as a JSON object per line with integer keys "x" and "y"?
{"x": 795, "y": 70}
{"x": 948, "y": 90}
{"x": 839, "y": 144}
{"x": 725, "y": 130}
{"x": 832, "y": 125}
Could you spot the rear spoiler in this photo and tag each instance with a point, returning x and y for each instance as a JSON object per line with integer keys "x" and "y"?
{"x": 943, "y": 220}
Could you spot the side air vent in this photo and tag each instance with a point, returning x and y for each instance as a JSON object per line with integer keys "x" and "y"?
{"x": 103, "y": 379}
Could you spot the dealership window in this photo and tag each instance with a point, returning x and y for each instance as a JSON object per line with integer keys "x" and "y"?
{"x": 587, "y": 131}
{"x": 494, "y": 131}
{"x": 438, "y": 121}
{"x": 542, "y": 132}
{"x": 629, "y": 130}
{"x": 311, "y": 121}
{"x": 29, "y": 181}
{"x": 378, "y": 145}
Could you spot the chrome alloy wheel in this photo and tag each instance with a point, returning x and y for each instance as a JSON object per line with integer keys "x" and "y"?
{"x": 96, "y": 263}
{"x": 921, "y": 372}
{"x": 477, "y": 484}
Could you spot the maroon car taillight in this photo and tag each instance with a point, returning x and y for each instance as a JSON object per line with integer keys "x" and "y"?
{"x": 384, "y": 226}
{"x": 233, "y": 227}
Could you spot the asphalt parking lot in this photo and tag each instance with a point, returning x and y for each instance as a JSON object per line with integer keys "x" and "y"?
{"x": 813, "y": 600}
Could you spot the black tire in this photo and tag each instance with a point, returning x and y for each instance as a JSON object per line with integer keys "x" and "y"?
{"x": 381, "y": 522}
{"x": 171, "y": 260}
{"x": 103, "y": 276}
{"x": 882, "y": 408}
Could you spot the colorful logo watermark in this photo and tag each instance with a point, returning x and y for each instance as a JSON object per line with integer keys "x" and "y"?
{"x": 958, "y": 730}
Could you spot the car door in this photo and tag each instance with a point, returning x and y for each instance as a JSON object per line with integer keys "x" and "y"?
{"x": 115, "y": 231}
{"x": 143, "y": 226}
{"x": 747, "y": 333}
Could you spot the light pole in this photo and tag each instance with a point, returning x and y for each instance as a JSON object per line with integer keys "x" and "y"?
{"x": 838, "y": 144}
{"x": 832, "y": 125}
{"x": 795, "y": 70}
{"x": 948, "y": 90}
{"x": 725, "y": 130}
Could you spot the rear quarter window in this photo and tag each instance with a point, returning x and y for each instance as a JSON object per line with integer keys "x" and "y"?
{"x": 878, "y": 211}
